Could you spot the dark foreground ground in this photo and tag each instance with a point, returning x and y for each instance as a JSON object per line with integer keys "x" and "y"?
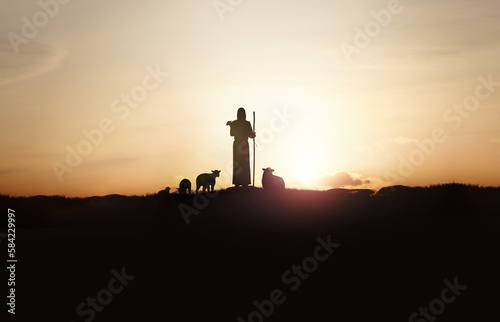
{"x": 389, "y": 255}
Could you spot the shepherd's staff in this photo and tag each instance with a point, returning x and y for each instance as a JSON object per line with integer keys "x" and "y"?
{"x": 253, "y": 180}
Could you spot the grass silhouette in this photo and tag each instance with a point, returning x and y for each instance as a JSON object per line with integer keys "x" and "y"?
{"x": 233, "y": 204}
{"x": 397, "y": 246}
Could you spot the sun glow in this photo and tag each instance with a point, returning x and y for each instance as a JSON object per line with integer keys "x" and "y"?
{"x": 307, "y": 162}
{"x": 305, "y": 175}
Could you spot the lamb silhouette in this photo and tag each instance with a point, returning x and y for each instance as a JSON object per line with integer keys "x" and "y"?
{"x": 271, "y": 182}
{"x": 184, "y": 187}
{"x": 163, "y": 195}
{"x": 164, "y": 192}
{"x": 207, "y": 181}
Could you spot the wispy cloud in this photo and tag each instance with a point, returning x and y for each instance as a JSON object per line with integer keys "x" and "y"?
{"x": 343, "y": 179}
{"x": 35, "y": 59}
{"x": 496, "y": 141}
{"x": 347, "y": 179}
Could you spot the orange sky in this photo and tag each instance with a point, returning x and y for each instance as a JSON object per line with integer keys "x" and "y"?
{"x": 363, "y": 94}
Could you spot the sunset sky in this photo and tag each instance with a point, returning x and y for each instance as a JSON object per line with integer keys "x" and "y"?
{"x": 348, "y": 94}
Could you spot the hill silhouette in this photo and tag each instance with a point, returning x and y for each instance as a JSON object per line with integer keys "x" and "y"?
{"x": 118, "y": 211}
{"x": 397, "y": 246}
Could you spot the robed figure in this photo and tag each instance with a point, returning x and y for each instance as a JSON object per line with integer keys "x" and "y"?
{"x": 241, "y": 129}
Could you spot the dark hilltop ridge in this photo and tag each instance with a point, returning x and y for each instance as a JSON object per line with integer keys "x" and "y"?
{"x": 336, "y": 255}
{"x": 253, "y": 204}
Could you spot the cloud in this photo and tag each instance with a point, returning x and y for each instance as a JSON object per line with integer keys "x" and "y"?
{"x": 33, "y": 60}
{"x": 496, "y": 141}
{"x": 346, "y": 179}
{"x": 401, "y": 140}
{"x": 343, "y": 179}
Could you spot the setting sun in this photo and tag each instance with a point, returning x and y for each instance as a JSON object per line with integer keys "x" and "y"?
{"x": 306, "y": 161}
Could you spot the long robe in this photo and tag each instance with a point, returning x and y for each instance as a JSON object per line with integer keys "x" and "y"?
{"x": 241, "y": 130}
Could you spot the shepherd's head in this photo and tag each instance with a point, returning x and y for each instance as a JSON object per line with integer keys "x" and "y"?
{"x": 241, "y": 115}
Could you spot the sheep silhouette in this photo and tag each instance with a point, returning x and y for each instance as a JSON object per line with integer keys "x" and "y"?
{"x": 163, "y": 195}
{"x": 184, "y": 187}
{"x": 164, "y": 192}
{"x": 207, "y": 181}
{"x": 271, "y": 182}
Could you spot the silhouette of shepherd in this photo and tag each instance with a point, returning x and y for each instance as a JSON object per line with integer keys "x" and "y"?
{"x": 241, "y": 129}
